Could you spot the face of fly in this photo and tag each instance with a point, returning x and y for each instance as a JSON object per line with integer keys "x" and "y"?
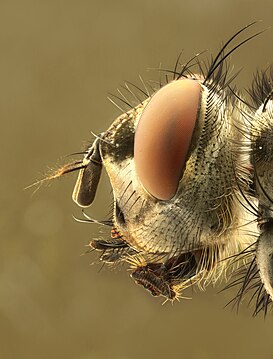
{"x": 177, "y": 178}
{"x": 188, "y": 202}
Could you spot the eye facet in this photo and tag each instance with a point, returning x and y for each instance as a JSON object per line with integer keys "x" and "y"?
{"x": 163, "y": 137}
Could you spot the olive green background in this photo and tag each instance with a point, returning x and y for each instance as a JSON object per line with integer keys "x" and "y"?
{"x": 58, "y": 62}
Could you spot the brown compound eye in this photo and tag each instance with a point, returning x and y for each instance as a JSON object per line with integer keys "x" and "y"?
{"x": 163, "y": 137}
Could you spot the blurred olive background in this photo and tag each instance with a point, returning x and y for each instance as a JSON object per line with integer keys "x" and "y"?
{"x": 58, "y": 62}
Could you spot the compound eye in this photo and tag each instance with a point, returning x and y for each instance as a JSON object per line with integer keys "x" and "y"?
{"x": 163, "y": 137}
